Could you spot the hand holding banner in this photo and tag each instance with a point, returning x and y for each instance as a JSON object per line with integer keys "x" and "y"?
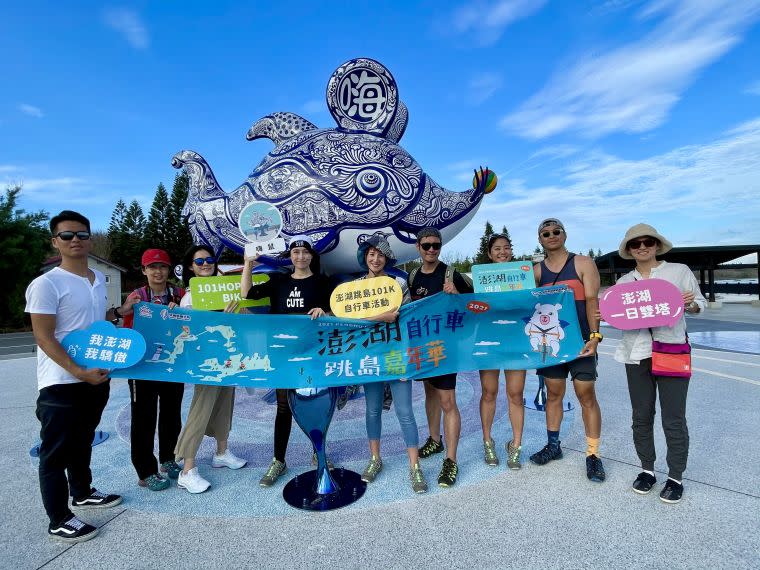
{"x": 642, "y": 304}
{"x": 509, "y": 276}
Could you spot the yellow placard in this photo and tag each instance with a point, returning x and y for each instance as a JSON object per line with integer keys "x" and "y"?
{"x": 365, "y": 298}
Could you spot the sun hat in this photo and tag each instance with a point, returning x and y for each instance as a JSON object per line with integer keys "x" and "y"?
{"x": 641, "y": 230}
{"x": 379, "y": 243}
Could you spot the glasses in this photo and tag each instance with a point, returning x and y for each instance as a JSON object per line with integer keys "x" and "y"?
{"x": 68, "y": 235}
{"x": 646, "y": 242}
{"x": 202, "y": 260}
{"x": 435, "y": 246}
{"x": 551, "y": 233}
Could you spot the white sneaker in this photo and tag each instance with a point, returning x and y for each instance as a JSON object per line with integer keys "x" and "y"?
{"x": 192, "y": 481}
{"x": 228, "y": 459}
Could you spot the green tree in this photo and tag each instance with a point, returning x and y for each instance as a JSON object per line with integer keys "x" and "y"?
{"x": 177, "y": 229}
{"x": 599, "y": 252}
{"x": 591, "y": 253}
{"x": 25, "y": 242}
{"x": 157, "y": 230}
{"x": 133, "y": 242}
{"x": 482, "y": 255}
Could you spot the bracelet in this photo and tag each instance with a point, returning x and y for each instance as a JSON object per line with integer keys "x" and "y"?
{"x": 116, "y": 313}
{"x": 597, "y": 335}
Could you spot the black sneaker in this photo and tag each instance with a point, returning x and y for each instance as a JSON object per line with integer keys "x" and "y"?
{"x": 431, "y": 447}
{"x": 595, "y": 469}
{"x": 72, "y": 530}
{"x": 448, "y": 475}
{"x": 671, "y": 492}
{"x": 644, "y": 483}
{"x": 547, "y": 454}
{"x": 96, "y": 500}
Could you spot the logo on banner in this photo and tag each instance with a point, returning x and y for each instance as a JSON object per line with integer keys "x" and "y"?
{"x": 102, "y": 345}
{"x": 642, "y": 304}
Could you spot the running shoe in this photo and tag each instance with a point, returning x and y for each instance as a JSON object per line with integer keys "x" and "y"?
{"x": 430, "y": 447}
{"x": 448, "y": 475}
{"x": 644, "y": 483}
{"x": 489, "y": 453}
{"x": 155, "y": 482}
{"x": 513, "y": 456}
{"x": 372, "y": 470}
{"x": 595, "y": 469}
{"x": 192, "y": 482}
{"x": 547, "y": 454}
{"x": 419, "y": 485}
{"x": 276, "y": 468}
{"x": 228, "y": 459}
{"x": 171, "y": 469}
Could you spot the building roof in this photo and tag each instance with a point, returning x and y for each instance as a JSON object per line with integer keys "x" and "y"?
{"x": 698, "y": 257}
{"x": 55, "y": 261}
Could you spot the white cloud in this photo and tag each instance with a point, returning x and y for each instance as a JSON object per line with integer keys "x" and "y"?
{"x": 695, "y": 195}
{"x": 503, "y": 322}
{"x": 30, "y": 110}
{"x": 487, "y": 343}
{"x": 299, "y": 358}
{"x": 284, "y": 336}
{"x": 753, "y": 88}
{"x": 485, "y": 21}
{"x": 633, "y": 87}
{"x": 128, "y": 24}
{"x": 482, "y": 86}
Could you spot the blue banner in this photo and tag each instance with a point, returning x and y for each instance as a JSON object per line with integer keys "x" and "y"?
{"x": 441, "y": 334}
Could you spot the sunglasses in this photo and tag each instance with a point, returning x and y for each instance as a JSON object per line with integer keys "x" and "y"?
{"x": 551, "y": 233}
{"x": 202, "y": 260}
{"x": 646, "y": 242}
{"x": 68, "y": 235}
{"x": 434, "y": 246}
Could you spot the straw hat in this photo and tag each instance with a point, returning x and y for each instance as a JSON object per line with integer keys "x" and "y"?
{"x": 641, "y": 230}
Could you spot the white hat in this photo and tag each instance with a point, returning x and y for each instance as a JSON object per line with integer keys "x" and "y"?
{"x": 642, "y": 230}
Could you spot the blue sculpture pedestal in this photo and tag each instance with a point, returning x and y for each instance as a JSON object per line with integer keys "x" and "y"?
{"x": 320, "y": 489}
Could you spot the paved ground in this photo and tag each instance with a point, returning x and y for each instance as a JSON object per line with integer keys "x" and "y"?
{"x": 548, "y": 516}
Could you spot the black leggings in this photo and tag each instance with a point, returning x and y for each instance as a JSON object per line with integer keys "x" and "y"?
{"x": 283, "y": 422}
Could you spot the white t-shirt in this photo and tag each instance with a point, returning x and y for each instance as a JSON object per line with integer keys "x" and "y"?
{"x": 75, "y": 302}
{"x": 186, "y": 302}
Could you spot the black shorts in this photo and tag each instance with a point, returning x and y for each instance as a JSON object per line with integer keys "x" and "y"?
{"x": 445, "y": 382}
{"x": 579, "y": 369}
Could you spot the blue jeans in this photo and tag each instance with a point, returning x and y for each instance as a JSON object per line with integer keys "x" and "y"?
{"x": 402, "y": 402}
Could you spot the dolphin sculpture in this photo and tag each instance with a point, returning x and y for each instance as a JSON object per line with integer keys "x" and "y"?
{"x": 339, "y": 186}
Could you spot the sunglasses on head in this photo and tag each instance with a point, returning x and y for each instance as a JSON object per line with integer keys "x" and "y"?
{"x": 434, "y": 246}
{"x": 546, "y": 234}
{"x": 637, "y": 243}
{"x": 68, "y": 235}
{"x": 202, "y": 260}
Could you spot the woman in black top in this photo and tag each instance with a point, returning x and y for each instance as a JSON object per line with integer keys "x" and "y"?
{"x": 302, "y": 292}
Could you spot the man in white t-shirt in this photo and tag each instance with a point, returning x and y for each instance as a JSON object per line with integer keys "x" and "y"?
{"x": 71, "y": 398}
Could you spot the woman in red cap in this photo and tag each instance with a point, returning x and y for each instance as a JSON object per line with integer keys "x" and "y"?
{"x": 154, "y": 402}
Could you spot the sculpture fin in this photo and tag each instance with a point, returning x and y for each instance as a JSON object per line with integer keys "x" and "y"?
{"x": 279, "y": 127}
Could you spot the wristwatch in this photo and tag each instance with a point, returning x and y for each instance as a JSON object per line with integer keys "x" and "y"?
{"x": 116, "y": 315}
{"x": 597, "y": 335}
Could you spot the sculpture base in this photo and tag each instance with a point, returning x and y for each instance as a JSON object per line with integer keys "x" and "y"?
{"x": 299, "y": 492}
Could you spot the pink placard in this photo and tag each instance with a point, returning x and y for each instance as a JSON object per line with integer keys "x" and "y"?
{"x": 642, "y": 304}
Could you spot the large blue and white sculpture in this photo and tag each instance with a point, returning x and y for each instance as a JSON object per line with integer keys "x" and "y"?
{"x": 340, "y": 185}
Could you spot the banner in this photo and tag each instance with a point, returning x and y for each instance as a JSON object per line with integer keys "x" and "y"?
{"x": 642, "y": 304}
{"x": 437, "y": 335}
{"x": 102, "y": 345}
{"x": 365, "y": 298}
{"x": 214, "y": 293}
{"x": 509, "y": 276}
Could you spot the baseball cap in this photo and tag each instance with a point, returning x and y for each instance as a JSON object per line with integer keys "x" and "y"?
{"x": 155, "y": 256}
{"x": 550, "y": 222}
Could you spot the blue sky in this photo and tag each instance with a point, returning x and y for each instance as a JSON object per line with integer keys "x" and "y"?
{"x": 602, "y": 113}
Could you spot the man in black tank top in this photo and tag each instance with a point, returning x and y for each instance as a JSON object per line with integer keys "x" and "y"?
{"x": 580, "y": 274}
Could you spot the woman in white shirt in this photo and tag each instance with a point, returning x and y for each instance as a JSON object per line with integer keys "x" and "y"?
{"x": 211, "y": 409}
{"x": 643, "y": 243}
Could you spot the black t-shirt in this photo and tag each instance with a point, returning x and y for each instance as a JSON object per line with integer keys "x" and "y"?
{"x": 293, "y": 296}
{"x": 426, "y": 284}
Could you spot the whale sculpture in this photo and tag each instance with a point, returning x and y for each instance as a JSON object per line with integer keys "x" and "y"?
{"x": 340, "y": 186}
